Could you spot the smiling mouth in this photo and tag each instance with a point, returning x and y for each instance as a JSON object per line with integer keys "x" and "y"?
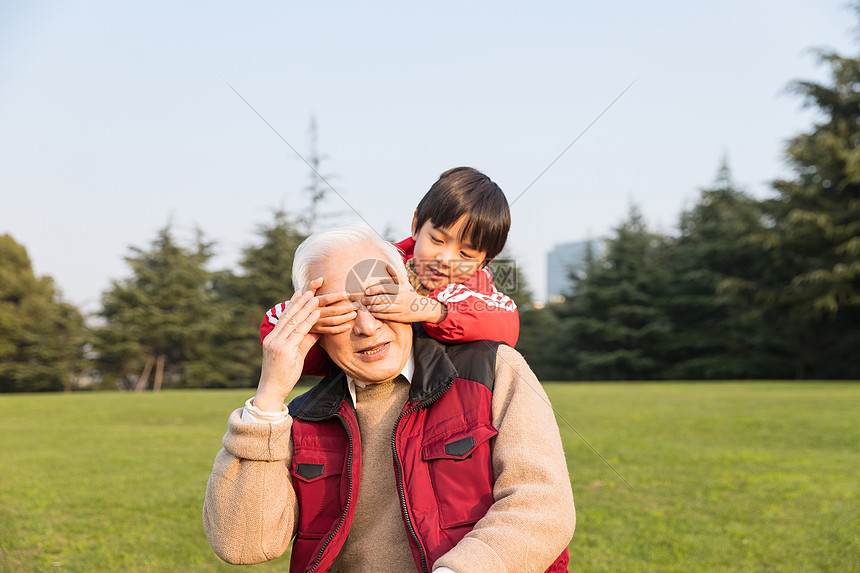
{"x": 373, "y": 349}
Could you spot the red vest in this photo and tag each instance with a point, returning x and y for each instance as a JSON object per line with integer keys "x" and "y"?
{"x": 442, "y": 456}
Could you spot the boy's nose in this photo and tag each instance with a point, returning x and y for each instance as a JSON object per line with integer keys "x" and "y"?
{"x": 443, "y": 258}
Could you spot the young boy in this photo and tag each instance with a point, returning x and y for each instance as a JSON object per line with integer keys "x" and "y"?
{"x": 459, "y": 226}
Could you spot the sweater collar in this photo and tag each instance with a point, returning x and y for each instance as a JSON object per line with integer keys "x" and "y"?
{"x": 407, "y": 372}
{"x": 414, "y": 281}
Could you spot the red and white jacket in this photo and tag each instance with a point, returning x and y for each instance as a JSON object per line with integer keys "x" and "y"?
{"x": 476, "y": 310}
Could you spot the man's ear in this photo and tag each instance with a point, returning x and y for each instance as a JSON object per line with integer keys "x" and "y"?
{"x": 415, "y": 225}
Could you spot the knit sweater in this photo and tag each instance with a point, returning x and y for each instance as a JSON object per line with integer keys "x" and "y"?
{"x": 377, "y": 513}
{"x": 250, "y": 512}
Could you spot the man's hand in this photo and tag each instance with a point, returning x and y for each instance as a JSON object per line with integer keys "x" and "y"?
{"x": 391, "y": 299}
{"x": 336, "y": 311}
{"x": 284, "y": 351}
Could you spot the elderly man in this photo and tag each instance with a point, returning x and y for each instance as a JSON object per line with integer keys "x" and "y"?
{"x": 411, "y": 455}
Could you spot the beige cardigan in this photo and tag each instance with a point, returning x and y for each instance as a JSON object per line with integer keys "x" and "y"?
{"x": 250, "y": 511}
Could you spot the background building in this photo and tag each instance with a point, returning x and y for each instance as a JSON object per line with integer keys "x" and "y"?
{"x": 561, "y": 261}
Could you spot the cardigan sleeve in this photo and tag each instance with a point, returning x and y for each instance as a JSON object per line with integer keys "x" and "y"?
{"x": 250, "y": 512}
{"x": 532, "y": 518}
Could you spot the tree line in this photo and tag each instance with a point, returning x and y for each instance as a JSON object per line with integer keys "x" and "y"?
{"x": 747, "y": 288}
{"x": 170, "y": 323}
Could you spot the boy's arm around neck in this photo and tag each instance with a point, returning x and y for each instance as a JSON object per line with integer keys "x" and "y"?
{"x": 475, "y": 310}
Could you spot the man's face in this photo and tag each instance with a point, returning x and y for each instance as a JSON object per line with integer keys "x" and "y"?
{"x": 441, "y": 257}
{"x": 372, "y": 350}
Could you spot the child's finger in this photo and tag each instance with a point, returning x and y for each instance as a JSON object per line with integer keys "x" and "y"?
{"x": 389, "y": 315}
{"x": 381, "y": 308}
{"x": 329, "y": 299}
{"x": 381, "y": 282}
{"x": 371, "y": 300}
{"x": 337, "y": 320}
{"x": 340, "y": 308}
{"x": 382, "y": 298}
{"x": 306, "y": 323}
{"x": 382, "y": 288}
{"x": 331, "y": 329}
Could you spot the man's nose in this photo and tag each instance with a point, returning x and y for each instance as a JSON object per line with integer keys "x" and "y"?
{"x": 365, "y": 323}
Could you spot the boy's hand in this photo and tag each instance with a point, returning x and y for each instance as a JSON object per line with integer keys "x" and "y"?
{"x": 336, "y": 311}
{"x": 391, "y": 299}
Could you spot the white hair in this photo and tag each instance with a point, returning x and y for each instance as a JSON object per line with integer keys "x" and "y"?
{"x": 357, "y": 237}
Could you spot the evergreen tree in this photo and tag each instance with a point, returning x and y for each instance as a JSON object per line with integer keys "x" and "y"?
{"x": 510, "y": 280}
{"x": 541, "y": 344}
{"x": 319, "y": 187}
{"x": 814, "y": 238}
{"x": 613, "y": 321}
{"x": 538, "y": 329}
{"x": 717, "y": 331}
{"x": 267, "y": 268}
{"x": 42, "y": 338}
{"x": 162, "y": 322}
{"x": 265, "y": 280}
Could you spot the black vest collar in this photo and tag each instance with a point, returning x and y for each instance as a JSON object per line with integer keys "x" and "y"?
{"x": 433, "y": 374}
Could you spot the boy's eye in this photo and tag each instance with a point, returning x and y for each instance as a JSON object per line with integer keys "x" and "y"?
{"x": 466, "y": 255}
{"x": 435, "y": 240}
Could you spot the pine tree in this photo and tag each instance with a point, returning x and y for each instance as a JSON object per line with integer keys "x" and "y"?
{"x": 613, "y": 323}
{"x": 319, "y": 187}
{"x": 267, "y": 268}
{"x": 717, "y": 331}
{"x": 162, "y": 322}
{"x": 817, "y": 214}
{"x": 538, "y": 329}
{"x": 541, "y": 345}
{"x": 510, "y": 280}
{"x": 264, "y": 281}
{"x": 814, "y": 235}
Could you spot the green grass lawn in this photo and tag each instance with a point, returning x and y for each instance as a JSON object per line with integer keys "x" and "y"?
{"x": 724, "y": 476}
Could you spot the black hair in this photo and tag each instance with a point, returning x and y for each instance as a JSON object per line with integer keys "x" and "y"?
{"x": 467, "y": 191}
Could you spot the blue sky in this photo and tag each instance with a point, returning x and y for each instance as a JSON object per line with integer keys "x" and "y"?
{"x": 115, "y": 118}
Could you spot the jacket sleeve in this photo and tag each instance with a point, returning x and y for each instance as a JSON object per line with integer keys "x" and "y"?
{"x": 476, "y": 311}
{"x": 250, "y": 512}
{"x": 317, "y": 362}
{"x": 532, "y": 517}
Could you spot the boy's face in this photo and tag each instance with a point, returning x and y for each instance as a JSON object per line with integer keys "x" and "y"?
{"x": 441, "y": 258}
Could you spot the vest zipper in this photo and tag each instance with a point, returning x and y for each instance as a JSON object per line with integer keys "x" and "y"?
{"x": 348, "y": 497}
{"x": 400, "y": 488}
